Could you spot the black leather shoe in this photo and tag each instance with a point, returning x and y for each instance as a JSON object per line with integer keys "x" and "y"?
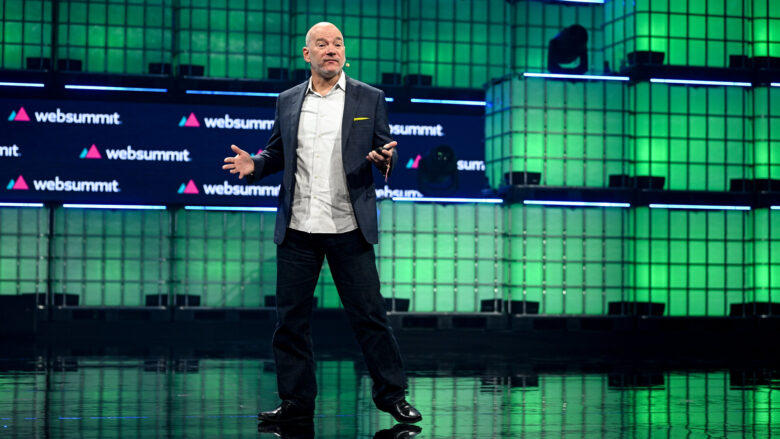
{"x": 286, "y": 412}
{"x": 399, "y": 431}
{"x": 402, "y": 411}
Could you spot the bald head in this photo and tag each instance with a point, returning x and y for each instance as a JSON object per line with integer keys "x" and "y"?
{"x": 324, "y": 50}
{"x": 318, "y": 28}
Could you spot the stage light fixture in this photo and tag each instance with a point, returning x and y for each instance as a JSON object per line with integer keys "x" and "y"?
{"x": 569, "y": 45}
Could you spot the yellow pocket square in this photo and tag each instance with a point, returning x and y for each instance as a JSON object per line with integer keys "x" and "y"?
{"x": 360, "y": 118}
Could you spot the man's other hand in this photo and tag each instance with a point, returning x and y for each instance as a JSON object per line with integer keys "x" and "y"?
{"x": 382, "y": 159}
{"x": 241, "y": 163}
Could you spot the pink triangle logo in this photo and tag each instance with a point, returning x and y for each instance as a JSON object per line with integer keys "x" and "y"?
{"x": 20, "y": 184}
{"x": 93, "y": 153}
{"x": 192, "y": 121}
{"x": 22, "y": 116}
{"x": 191, "y": 188}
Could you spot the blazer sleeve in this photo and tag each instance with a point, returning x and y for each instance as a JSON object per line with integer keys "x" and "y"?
{"x": 271, "y": 160}
{"x": 382, "y": 128}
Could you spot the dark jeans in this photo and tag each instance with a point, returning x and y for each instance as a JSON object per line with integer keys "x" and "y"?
{"x": 352, "y": 264}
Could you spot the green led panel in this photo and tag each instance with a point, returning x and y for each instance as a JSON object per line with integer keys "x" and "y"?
{"x": 766, "y": 132}
{"x": 115, "y": 36}
{"x": 695, "y": 262}
{"x": 372, "y": 34}
{"x": 766, "y": 27}
{"x": 442, "y": 257}
{"x": 535, "y": 23}
{"x": 693, "y": 32}
{"x": 571, "y": 261}
{"x": 110, "y": 257}
{"x": 697, "y": 138}
{"x": 24, "y": 257}
{"x": 462, "y": 44}
{"x": 226, "y": 258}
{"x": 766, "y": 254}
{"x": 233, "y": 39}
{"x": 573, "y": 133}
{"x": 25, "y": 32}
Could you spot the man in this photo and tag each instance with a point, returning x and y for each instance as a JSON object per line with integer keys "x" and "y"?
{"x": 327, "y": 133}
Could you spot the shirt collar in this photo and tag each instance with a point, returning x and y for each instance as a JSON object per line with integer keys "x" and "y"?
{"x": 342, "y": 83}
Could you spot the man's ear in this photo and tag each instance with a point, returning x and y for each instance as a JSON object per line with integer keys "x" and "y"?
{"x": 306, "y": 54}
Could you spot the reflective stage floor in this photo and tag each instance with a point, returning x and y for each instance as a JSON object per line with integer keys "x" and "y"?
{"x": 83, "y": 393}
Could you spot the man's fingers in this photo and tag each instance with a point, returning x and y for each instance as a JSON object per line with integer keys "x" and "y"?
{"x": 390, "y": 145}
{"x": 238, "y": 150}
{"x": 229, "y": 166}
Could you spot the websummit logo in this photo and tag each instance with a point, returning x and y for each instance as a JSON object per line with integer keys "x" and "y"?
{"x": 414, "y": 163}
{"x": 92, "y": 153}
{"x": 190, "y": 121}
{"x": 19, "y": 116}
{"x": 17, "y": 185}
{"x": 189, "y": 188}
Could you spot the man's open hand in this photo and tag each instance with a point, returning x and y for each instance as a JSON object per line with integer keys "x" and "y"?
{"x": 241, "y": 163}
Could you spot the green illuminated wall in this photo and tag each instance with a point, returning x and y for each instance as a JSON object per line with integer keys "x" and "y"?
{"x": 697, "y": 138}
{"x": 441, "y": 257}
{"x": 231, "y": 39}
{"x": 694, "y": 32}
{"x": 570, "y": 261}
{"x": 113, "y": 37}
{"x": 694, "y": 262}
{"x": 26, "y": 31}
{"x": 574, "y": 133}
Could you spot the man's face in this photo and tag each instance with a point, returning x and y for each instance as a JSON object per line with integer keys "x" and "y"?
{"x": 325, "y": 51}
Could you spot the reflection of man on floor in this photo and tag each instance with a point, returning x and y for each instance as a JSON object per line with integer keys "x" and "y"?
{"x": 327, "y": 133}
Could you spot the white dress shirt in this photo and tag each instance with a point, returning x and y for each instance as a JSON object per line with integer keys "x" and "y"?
{"x": 321, "y": 201}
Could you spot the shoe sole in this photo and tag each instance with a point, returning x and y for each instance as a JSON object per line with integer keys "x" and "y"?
{"x": 408, "y": 421}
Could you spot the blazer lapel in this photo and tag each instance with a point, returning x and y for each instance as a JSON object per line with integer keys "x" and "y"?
{"x": 352, "y": 94}
{"x": 294, "y": 116}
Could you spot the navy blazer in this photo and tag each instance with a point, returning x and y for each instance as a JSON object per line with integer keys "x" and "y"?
{"x": 363, "y": 127}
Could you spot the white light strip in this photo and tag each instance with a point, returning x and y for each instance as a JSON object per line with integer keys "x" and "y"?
{"x": 774, "y": 207}
{"x": 775, "y": 84}
{"x": 21, "y": 84}
{"x": 449, "y": 200}
{"x": 698, "y": 82}
{"x": 447, "y": 102}
{"x": 232, "y": 208}
{"x": 113, "y": 88}
{"x": 113, "y": 206}
{"x": 568, "y": 76}
{"x": 697, "y": 206}
{"x": 575, "y": 203}
{"x": 232, "y": 93}
{"x": 21, "y": 204}
{"x": 389, "y": 99}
